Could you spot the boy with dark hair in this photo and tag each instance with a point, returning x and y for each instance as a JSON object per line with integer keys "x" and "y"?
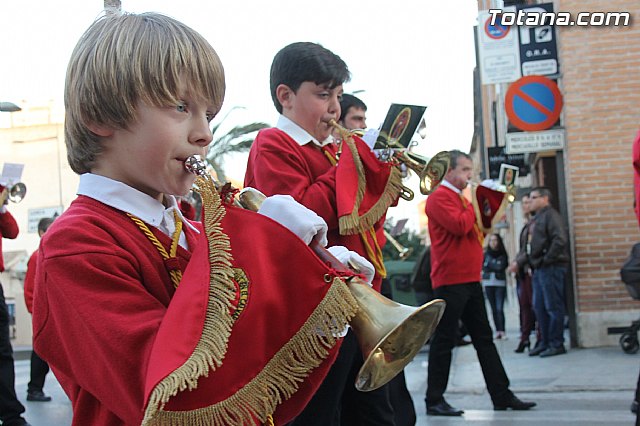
{"x": 342, "y": 181}
{"x": 134, "y": 304}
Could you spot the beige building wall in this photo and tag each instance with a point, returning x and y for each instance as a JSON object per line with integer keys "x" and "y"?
{"x": 33, "y": 137}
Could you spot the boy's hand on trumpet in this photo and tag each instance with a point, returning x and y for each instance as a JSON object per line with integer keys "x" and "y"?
{"x": 307, "y": 225}
{"x": 352, "y": 259}
{"x": 300, "y": 220}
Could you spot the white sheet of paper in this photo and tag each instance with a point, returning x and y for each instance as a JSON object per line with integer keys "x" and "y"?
{"x": 11, "y": 173}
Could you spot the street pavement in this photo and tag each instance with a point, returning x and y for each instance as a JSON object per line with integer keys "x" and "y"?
{"x": 583, "y": 387}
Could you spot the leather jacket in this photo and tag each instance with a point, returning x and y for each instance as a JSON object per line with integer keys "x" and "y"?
{"x": 548, "y": 245}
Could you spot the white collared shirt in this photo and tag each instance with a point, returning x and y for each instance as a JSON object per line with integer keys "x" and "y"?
{"x": 298, "y": 134}
{"x": 129, "y": 200}
{"x": 450, "y": 186}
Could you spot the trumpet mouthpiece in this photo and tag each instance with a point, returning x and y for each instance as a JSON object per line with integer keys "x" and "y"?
{"x": 194, "y": 164}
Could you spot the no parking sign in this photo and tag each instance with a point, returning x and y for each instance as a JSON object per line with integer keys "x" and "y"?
{"x": 533, "y": 103}
{"x": 496, "y": 31}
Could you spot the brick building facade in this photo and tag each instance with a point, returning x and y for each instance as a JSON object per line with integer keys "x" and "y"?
{"x": 592, "y": 176}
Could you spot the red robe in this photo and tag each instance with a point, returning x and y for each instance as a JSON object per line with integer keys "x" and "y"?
{"x": 279, "y": 165}
{"x": 8, "y": 229}
{"x": 456, "y": 253}
{"x": 112, "y": 327}
{"x": 29, "y": 281}
{"x": 102, "y": 286}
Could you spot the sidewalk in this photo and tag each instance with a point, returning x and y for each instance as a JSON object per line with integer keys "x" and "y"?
{"x": 585, "y": 386}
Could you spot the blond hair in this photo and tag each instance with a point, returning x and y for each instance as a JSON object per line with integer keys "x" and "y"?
{"x": 123, "y": 59}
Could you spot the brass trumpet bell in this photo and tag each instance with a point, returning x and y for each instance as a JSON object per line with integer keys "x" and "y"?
{"x": 430, "y": 172}
{"x": 15, "y": 193}
{"x": 389, "y": 334}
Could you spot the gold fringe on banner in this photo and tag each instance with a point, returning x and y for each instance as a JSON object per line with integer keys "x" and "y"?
{"x": 258, "y": 399}
{"x": 354, "y": 223}
{"x": 280, "y": 378}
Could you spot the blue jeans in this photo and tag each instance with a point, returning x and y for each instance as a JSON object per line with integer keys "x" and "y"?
{"x": 496, "y": 295}
{"x": 548, "y": 303}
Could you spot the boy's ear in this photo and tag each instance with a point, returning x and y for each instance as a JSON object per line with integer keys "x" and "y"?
{"x": 284, "y": 94}
{"x": 100, "y": 129}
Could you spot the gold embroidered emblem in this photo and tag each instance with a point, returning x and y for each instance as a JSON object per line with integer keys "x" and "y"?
{"x": 242, "y": 285}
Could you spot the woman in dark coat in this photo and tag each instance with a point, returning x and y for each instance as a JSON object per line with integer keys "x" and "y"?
{"x": 494, "y": 280}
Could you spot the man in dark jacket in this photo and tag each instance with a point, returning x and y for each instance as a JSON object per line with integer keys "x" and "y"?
{"x": 548, "y": 256}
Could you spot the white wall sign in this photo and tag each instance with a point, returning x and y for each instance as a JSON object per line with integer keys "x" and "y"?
{"x": 522, "y": 142}
{"x": 498, "y": 49}
{"x": 35, "y": 215}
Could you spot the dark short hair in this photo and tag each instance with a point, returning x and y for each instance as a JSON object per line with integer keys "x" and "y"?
{"x": 45, "y": 223}
{"x": 543, "y": 191}
{"x": 454, "y": 154}
{"x": 304, "y": 61}
{"x": 350, "y": 101}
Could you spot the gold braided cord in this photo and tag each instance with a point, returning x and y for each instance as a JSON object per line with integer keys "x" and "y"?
{"x": 281, "y": 377}
{"x": 175, "y": 274}
{"x": 374, "y": 253}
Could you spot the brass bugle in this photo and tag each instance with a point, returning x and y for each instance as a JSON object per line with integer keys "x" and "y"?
{"x": 389, "y": 334}
{"x": 403, "y": 252}
{"x": 430, "y": 171}
{"x": 15, "y": 193}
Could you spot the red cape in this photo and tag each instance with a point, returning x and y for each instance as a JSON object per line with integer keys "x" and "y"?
{"x": 266, "y": 337}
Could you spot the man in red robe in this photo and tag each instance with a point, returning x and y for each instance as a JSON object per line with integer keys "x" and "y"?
{"x": 456, "y": 266}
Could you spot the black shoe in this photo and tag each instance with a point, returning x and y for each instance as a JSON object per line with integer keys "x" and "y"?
{"x": 37, "y": 396}
{"x": 515, "y": 404}
{"x": 553, "y": 351}
{"x": 537, "y": 350}
{"x": 634, "y": 407}
{"x": 522, "y": 346}
{"x": 443, "y": 409}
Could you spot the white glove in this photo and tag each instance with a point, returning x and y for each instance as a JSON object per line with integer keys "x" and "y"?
{"x": 345, "y": 257}
{"x": 491, "y": 184}
{"x": 303, "y": 222}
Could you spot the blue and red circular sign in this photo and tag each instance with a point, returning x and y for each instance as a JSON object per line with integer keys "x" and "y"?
{"x": 496, "y": 31}
{"x": 533, "y": 103}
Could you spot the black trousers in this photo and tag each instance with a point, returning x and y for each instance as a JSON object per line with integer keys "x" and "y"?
{"x": 464, "y": 302}
{"x": 39, "y": 370}
{"x": 338, "y": 403}
{"x": 10, "y": 407}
